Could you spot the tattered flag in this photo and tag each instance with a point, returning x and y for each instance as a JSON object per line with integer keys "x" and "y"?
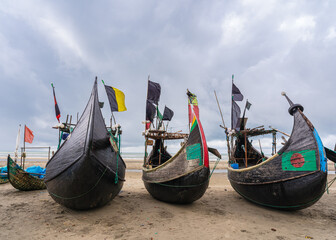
{"x": 248, "y": 105}
{"x": 154, "y": 92}
{"x": 235, "y": 116}
{"x": 150, "y": 111}
{"x": 57, "y": 111}
{"x": 236, "y": 94}
{"x": 167, "y": 114}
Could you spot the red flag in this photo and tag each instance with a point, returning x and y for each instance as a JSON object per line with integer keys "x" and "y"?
{"x": 28, "y": 135}
{"x": 57, "y": 111}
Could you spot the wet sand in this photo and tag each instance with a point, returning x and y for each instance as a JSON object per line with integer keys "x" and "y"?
{"x": 220, "y": 214}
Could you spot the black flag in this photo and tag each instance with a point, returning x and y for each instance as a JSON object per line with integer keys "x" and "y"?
{"x": 248, "y": 105}
{"x": 57, "y": 111}
{"x": 236, "y": 94}
{"x": 235, "y": 116}
{"x": 150, "y": 111}
{"x": 167, "y": 114}
{"x": 154, "y": 91}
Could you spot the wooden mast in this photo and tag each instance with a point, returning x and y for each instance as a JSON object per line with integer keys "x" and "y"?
{"x": 24, "y": 148}
{"x": 146, "y": 138}
{"x": 245, "y": 150}
{"x": 225, "y": 128}
{"x": 231, "y": 150}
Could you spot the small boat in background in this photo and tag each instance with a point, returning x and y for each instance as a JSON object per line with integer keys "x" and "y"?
{"x": 23, "y": 180}
{"x": 3, "y": 175}
{"x": 87, "y": 171}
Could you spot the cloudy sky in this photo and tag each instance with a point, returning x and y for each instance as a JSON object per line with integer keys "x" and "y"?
{"x": 270, "y": 46}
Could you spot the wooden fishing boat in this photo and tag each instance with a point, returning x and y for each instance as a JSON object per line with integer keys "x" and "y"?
{"x": 87, "y": 171}
{"x": 3, "y": 178}
{"x": 22, "y": 180}
{"x": 184, "y": 177}
{"x": 3, "y": 175}
{"x": 293, "y": 178}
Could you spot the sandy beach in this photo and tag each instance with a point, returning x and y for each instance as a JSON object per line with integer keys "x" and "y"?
{"x": 220, "y": 214}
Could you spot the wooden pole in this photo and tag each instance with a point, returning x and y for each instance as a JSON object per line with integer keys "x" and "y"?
{"x": 274, "y": 143}
{"x": 232, "y": 118}
{"x": 335, "y": 163}
{"x": 24, "y": 148}
{"x": 245, "y": 150}
{"x": 226, "y": 132}
{"x": 262, "y": 154}
{"x": 113, "y": 118}
{"x": 146, "y": 138}
{"x": 189, "y": 109}
{"x": 279, "y": 131}
{"x": 160, "y": 152}
{"x": 145, "y": 156}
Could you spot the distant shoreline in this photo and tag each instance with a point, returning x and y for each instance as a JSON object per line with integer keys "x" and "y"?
{"x": 134, "y": 164}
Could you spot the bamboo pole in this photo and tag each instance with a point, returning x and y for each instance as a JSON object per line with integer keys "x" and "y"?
{"x": 225, "y": 128}
{"x": 145, "y": 156}
{"x": 274, "y": 143}
{"x": 24, "y": 148}
{"x": 160, "y": 152}
{"x": 279, "y": 131}
{"x": 146, "y": 138}
{"x": 262, "y": 154}
{"x": 245, "y": 150}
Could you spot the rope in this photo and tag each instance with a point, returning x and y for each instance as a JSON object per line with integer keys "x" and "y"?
{"x": 329, "y": 184}
{"x": 118, "y": 154}
{"x": 168, "y": 185}
{"x": 60, "y": 140}
{"x": 116, "y": 175}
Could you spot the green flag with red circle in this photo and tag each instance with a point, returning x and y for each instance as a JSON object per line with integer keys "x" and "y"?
{"x": 299, "y": 160}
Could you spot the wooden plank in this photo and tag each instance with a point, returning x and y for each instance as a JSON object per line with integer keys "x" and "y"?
{"x": 165, "y": 135}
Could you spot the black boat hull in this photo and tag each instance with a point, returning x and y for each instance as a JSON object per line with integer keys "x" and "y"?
{"x": 286, "y": 195}
{"x": 185, "y": 189}
{"x": 88, "y": 185}
{"x": 82, "y": 173}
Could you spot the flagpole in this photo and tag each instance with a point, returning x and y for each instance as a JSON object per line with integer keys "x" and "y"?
{"x": 231, "y": 121}
{"x": 24, "y": 148}
{"x": 17, "y": 144}
{"x": 243, "y": 118}
{"x": 226, "y": 132}
{"x": 146, "y": 138}
{"x": 189, "y": 109}
{"x": 245, "y": 108}
{"x": 232, "y": 103}
{"x": 111, "y": 111}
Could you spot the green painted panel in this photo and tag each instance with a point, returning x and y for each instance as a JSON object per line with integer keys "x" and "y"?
{"x": 195, "y": 152}
{"x": 299, "y": 160}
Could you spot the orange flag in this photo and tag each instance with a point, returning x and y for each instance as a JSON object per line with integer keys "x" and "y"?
{"x": 29, "y": 136}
